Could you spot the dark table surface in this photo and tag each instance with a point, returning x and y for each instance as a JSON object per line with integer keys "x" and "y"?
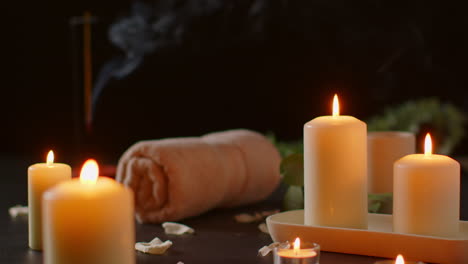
{"x": 218, "y": 238}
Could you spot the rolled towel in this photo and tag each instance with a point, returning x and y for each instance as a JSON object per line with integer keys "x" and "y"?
{"x": 183, "y": 177}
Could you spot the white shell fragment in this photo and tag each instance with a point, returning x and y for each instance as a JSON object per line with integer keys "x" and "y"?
{"x": 156, "y": 246}
{"x": 247, "y": 218}
{"x": 172, "y": 228}
{"x": 18, "y": 210}
{"x": 264, "y": 228}
{"x": 256, "y": 217}
{"x": 267, "y": 249}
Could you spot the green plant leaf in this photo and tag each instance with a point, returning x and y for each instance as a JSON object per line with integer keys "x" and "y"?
{"x": 374, "y": 206}
{"x": 379, "y": 201}
{"x": 444, "y": 120}
{"x": 294, "y": 198}
{"x": 285, "y": 148}
{"x": 292, "y": 169}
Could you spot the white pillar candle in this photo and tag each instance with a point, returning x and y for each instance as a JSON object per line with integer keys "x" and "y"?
{"x": 89, "y": 220}
{"x": 426, "y": 197}
{"x": 383, "y": 149}
{"x": 42, "y": 176}
{"x": 335, "y": 171}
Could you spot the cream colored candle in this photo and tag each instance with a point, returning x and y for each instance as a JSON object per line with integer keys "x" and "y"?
{"x": 426, "y": 194}
{"x": 89, "y": 220}
{"x": 383, "y": 149}
{"x": 335, "y": 171}
{"x": 42, "y": 176}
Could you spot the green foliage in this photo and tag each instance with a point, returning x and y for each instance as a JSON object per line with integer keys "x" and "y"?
{"x": 444, "y": 120}
{"x": 378, "y": 201}
{"x": 292, "y": 169}
{"x": 294, "y": 198}
{"x": 286, "y": 148}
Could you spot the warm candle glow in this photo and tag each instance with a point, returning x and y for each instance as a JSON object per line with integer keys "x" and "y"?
{"x": 90, "y": 172}
{"x": 428, "y": 145}
{"x": 336, "y": 106}
{"x": 50, "y": 158}
{"x": 399, "y": 259}
{"x": 297, "y": 245}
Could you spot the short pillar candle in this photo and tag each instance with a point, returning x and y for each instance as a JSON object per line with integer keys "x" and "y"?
{"x": 42, "y": 176}
{"x": 89, "y": 220}
{"x": 426, "y": 192}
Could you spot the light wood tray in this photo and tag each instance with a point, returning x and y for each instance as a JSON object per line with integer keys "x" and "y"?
{"x": 378, "y": 240}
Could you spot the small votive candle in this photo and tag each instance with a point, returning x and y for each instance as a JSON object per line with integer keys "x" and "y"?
{"x": 308, "y": 254}
{"x": 398, "y": 260}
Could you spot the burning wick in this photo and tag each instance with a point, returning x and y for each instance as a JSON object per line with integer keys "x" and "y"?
{"x": 336, "y": 106}
{"x": 428, "y": 145}
{"x": 297, "y": 246}
{"x": 400, "y": 260}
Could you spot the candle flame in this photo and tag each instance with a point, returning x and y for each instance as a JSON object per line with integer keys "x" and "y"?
{"x": 89, "y": 172}
{"x": 336, "y": 106}
{"x": 297, "y": 245}
{"x": 399, "y": 259}
{"x": 50, "y": 158}
{"x": 428, "y": 145}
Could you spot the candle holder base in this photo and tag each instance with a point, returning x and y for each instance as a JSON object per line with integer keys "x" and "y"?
{"x": 378, "y": 240}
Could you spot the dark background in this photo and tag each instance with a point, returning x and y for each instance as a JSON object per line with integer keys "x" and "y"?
{"x": 263, "y": 65}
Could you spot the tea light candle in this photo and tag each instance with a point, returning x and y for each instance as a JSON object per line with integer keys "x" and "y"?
{"x": 335, "y": 171}
{"x": 42, "y": 176}
{"x": 426, "y": 197}
{"x": 297, "y": 255}
{"x": 399, "y": 260}
{"x": 89, "y": 220}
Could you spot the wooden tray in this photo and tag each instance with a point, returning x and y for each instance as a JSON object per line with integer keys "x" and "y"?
{"x": 378, "y": 240}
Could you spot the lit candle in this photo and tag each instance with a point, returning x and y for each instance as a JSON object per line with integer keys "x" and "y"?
{"x": 89, "y": 220}
{"x": 399, "y": 260}
{"x": 42, "y": 176}
{"x": 335, "y": 171}
{"x": 426, "y": 194}
{"x": 297, "y": 255}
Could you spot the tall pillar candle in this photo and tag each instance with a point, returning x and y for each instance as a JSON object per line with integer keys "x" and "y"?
{"x": 335, "y": 171}
{"x": 89, "y": 220}
{"x": 426, "y": 194}
{"x": 42, "y": 176}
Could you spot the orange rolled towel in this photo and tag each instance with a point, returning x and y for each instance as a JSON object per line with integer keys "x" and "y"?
{"x": 183, "y": 177}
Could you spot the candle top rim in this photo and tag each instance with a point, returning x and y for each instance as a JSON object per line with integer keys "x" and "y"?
{"x": 329, "y": 120}
{"x": 390, "y": 134}
{"x": 301, "y": 253}
{"x": 434, "y": 159}
{"x": 75, "y": 189}
{"x": 44, "y": 164}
